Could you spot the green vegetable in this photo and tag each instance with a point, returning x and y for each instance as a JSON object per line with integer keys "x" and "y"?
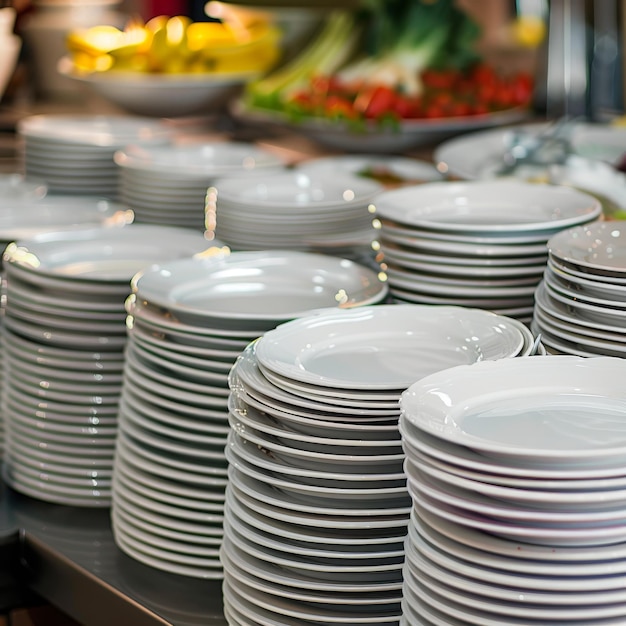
{"x": 332, "y": 48}
{"x": 405, "y": 37}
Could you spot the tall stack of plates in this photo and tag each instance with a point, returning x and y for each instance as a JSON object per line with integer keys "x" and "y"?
{"x": 189, "y": 322}
{"x": 25, "y": 211}
{"x": 516, "y": 474}
{"x": 316, "y": 505}
{"x": 73, "y": 154}
{"x": 168, "y": 184}
{"x": 476, "y": 244}
{"x": 64, "y": 335}
{"x": 296, "y": 211}
{"x": 580, "y": 307}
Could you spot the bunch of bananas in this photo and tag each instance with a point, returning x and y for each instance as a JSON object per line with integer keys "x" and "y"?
{"x": 177, "y": 45}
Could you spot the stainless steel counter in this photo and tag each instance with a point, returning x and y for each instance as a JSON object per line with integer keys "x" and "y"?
{"x": 68, "y": 556}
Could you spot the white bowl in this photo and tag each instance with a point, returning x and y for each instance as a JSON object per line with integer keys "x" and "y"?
{"x": 161, "y": 95}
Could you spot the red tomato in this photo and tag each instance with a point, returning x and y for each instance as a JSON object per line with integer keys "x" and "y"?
{"x": 375, "y": 102}
{"x": 339, "y": 106}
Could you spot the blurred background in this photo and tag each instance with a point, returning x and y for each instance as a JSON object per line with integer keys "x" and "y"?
{"x": 574, "y": 47}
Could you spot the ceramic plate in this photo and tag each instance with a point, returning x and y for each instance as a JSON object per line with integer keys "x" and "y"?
{"x": 384, "y": 347}
{"x": 513, "y": 409}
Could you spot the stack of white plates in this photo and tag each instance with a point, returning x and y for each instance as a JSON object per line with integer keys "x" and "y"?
{"x": 295, "y": 210}
{"x": 516, "y": 471}
{"x": 168, "y": 184}
{"x": 317, "y": 506}
{"x": 64, "y": 335}
{"x": 73, "y": 154}
{"x": 189, "y": 322}
{"x": 580, "y": 308}
{"x": 25, "y": 211}
{"x": 476, "y": 244}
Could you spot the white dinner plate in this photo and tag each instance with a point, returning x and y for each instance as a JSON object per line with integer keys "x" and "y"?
{"x": 488, "y": 207}
{"x": 180, "y": 161}
{"x": 512, "y": 409}
{"x": 599, "y": 247}
{"x": 104, "y": 254}
{"x": 94, "y": 131}
{"x": 471, "y": 155}
{"x": 276, "y": 285}
{"x": 384, "y": 347}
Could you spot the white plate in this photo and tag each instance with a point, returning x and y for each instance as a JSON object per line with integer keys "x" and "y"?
{"x": 552, "y": 568}
{"x": 518, "y": 511}
{"x": 130, "y": 530}
{"x": 26, "y": 217}
{"x": 384, "y": 347}
{"x": 491, "y": 289}
{"x": 512, "y": 596}
{"x": 257, "y": 502}
{"x": 513, "y": 409}
{"x": 554, "y": 536}
{"x": 248, "y": 380}
{"x": 97, "y": 131}
{"x": 567, "y": 318}
{"x": 463, "y": 268}
{"x": 402, "y": 170}
{"x": 64, "y": 495}
{"x": 162, "y": 363}
{"x": 213, "y": 386}
{"x": 351, "y": 458}
{"x": 137, "y": 378}
{"x": 157, "y": 530}
{"x": 587, "y": 284}
{"x": 443, "y": 247}
{"x": 315, "y": 539}
{"x": 375, "y": 496}
{"x": 505, "y": 602}
{"x": 498, "y": 206}
{"x": 180, "y": 161}
{"x": 296, "y": 592}
{"x": 572, "y": 269}
{"x": 272, "y": 610}
{"x": 185, "y": 463}
{"x": 250, "y": 417}
{"x": 313, "y": 424}
{"x": 597, "y": 315}
{"x": 469, "y": 156}
{"x": 329, "y": 474}
{"x": 126, "y": 490}
{"x": 352, "y": 511}
{"x": 275, "y": 285}
{"x": 598, "y": 248}
{"x": 104, "y": 254}
{"x": 416, "y": 439}
{"x": 211, "y": 502}
{"x": 386, "y": 568}
{"x": 297, "y": 190}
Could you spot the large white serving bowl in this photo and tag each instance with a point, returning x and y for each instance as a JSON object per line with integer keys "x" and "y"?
{"x": 161, "y": 95}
